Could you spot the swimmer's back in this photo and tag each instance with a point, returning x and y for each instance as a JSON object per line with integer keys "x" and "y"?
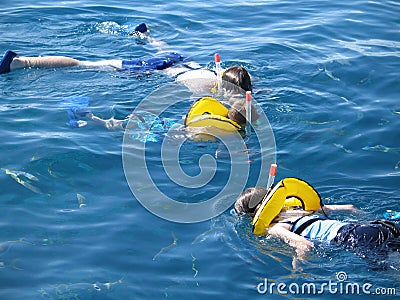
{"x": 190, "y": 70}
{"x": 196, "y": 74}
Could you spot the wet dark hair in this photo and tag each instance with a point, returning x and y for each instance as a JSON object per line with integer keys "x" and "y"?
{"x": 253, "y": 194}
{"x": 237, "y": 113}
{"x": 238, "y": 76}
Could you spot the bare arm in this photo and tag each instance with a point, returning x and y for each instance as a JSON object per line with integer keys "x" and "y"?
{"x": 299, "y": 242}
{"x": 109, "y": 123}
{"x": 338, "y": 207}
{"x": 159, "y": 45}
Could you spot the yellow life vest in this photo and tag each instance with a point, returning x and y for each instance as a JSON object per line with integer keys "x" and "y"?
{"x": 289, "y": 192}
{"x": 209, "y": 112}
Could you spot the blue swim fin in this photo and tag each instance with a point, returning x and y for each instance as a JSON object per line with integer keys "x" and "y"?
{"x": 76, "y": 106}
{"x": 6, "y": 61}
{"x": 392, "y": 215}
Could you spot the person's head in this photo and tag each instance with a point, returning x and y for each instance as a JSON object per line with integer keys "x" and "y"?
{"x": 248, "y": 201}
{"x": 238, "y": 76}
{"x": 237, "y": 112}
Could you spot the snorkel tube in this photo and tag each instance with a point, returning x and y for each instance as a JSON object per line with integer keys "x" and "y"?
{"x": 218, "y": 69}
{"x": 271, "y": 177}
{"x": 248, "y": 112}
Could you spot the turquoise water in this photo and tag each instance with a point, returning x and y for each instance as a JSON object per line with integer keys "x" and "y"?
{"x": 325, "y": 74}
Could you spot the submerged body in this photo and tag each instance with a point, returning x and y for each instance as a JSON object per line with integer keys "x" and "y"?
{"x": 300, "y": 228}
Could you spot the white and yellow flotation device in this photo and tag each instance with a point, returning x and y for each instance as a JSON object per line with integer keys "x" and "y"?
{"x": 209, "y": 112}
{"x": 289, "y": 192}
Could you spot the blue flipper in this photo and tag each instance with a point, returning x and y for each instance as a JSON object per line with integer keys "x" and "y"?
{"x": 392, "y": 215}
{"x": 151, "y": 128}
{"x": 6, "y": 61}
{"x": 76, "y": 106}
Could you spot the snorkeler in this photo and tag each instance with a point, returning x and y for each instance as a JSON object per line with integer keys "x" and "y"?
{"x": 183, "y": 72}
{"x": 12, "y": 61}
{"x": 293, "y": 211}
{"x": 234, "y": 79}
{"x": 206, "y": 115}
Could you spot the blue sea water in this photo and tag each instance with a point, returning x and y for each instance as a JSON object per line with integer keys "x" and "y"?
{"x": 326, "y": 74}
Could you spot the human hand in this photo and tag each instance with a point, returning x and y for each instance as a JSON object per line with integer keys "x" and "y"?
{"x": 301, "y": 251}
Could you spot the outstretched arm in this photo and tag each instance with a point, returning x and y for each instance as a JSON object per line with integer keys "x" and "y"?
{"x": 159, "y": 45}
{"x": 339, "y": 207}
{"x": 109, "y": 123}
{"x": 299, "y": 242}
